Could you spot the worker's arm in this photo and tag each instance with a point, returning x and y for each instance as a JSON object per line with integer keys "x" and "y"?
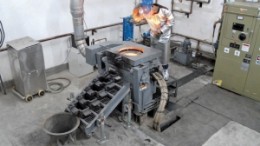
{"x": 169, "y": 20}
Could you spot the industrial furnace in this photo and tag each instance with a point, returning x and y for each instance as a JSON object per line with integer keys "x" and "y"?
{"x": 128, "y": 75}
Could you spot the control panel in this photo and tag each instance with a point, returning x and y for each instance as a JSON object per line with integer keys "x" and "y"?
{"x": 237, "y": 65}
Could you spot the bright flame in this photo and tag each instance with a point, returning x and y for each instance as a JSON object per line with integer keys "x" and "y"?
{"x": 136, "y": 15}
{"x": 154, "y": 22}
{"x": 152, "y": 19}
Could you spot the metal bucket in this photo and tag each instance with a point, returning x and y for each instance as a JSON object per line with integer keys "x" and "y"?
{"x": 62, "y": 128}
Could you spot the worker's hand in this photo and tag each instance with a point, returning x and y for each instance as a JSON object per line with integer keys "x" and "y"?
{"x": 140, "y": 22}
{"x": 156, "y": 33}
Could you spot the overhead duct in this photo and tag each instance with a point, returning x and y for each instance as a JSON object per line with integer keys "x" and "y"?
{"x": 77, "y": 12}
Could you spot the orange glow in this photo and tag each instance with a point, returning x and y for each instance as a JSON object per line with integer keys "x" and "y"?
{"x": 152, "y": 20}
{"x": 131, "y": 51}
{"x": 136, "y": 15}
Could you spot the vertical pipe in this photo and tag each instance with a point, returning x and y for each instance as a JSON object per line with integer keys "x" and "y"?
{"x": 77, "y": 12}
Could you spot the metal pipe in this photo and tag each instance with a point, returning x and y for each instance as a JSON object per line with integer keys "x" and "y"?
{"x": 77, "y": 12}
{"x": 196, "y": 39}
{"x": 129, "y": 111}
{"x": 55, "y": 37}
{"x": 86, "y": 30}
{"x": 215, "y": 25}
{"x": 104, "y": 26}
{"x": 97, "y": 40}
{"x": 69, "y": 34}
{"x": 198, "y": 1}
{"x": 181, "y": 11}
{"x": 198, "y": 46}
{"x": 101, "y": 122}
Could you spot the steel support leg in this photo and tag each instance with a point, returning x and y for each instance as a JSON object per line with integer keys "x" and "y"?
{"x": 129, "y": 113}
{"x": 103, "y": 137}
{"x": 128, "y": 106}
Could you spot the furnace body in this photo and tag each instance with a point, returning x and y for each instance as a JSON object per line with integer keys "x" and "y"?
{"x": 125, "y": 70}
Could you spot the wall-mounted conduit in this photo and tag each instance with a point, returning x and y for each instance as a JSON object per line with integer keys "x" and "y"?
{"x": 189, "y": 12}
{"x": 200, "y": 2}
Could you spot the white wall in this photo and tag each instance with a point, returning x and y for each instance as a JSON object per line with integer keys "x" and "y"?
{"x": 198, "y": 25}
{"x": 200, "y": 22}
{"x": 45, "y": 18}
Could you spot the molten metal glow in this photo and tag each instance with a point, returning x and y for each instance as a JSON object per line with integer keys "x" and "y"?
{"x": 131, "y": 51}
{"x": 131, "y": 54}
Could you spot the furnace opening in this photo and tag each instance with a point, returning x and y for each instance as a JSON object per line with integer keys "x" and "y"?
{"x": 131, "y": 51}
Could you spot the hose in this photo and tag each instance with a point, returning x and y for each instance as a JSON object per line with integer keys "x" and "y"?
{"x": 159, "y": 115}
{"x": 55, "y": 87}
{"x": 2, "y": 32}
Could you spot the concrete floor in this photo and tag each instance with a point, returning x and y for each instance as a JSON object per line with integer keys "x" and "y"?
{"x": 204, "y": 108}
{"x": 234, "y": 134}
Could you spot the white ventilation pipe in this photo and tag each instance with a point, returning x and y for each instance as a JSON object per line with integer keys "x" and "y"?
{"x": 77, "y": 12}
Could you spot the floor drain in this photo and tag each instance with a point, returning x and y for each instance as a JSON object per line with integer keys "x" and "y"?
{"x": 147, "y": 140}
{"x": 167, "y": 124}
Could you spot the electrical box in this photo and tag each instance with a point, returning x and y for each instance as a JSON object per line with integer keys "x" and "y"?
{"x": 27, "y": 65}
{"x": 237, "y": 65}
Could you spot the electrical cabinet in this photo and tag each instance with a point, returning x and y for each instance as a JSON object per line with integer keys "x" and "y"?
{"x": 237, "y": 65}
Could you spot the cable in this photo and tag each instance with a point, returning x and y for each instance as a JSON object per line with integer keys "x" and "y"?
{"x": 59, "y": 85}
{"x": 85, "y": 21}
{"x": 1, "y": 39}
{"x": 2, "y": 34}
{"x": 68, "y": 51}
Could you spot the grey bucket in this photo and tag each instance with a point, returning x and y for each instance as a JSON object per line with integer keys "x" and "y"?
{"x": 61, "y": 127}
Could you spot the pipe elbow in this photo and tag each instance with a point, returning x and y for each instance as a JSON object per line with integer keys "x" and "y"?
{"x": 81, "y": 46}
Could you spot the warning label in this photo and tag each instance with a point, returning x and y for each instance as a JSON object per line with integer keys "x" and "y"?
{"x": 258, "y": 60}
